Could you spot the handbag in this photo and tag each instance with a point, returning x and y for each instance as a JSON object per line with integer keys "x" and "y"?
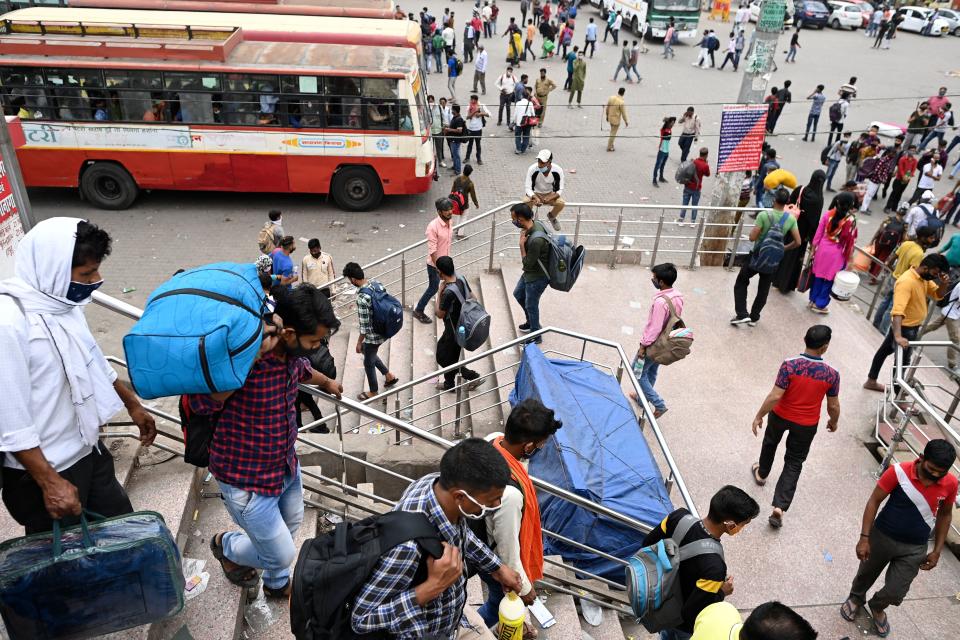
{"x": 529, "y": 121}
{"x": 806, "y": 278}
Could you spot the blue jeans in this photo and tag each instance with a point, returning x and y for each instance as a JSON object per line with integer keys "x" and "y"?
{"x": 792, "y": 54}
{"x": 433, "y": 285}
{"x": 626, "y": 68}
{"x": 953, "y": 143}
{"x": 269, "y": 524}
{"x": 455, "y": 154}
{"x": 521, "y": 138}
{"x": 881, "y": 315}
{"x": 766, "y": 200}
{"x": 490, "y": 611}
{"x": 820, "y": 292}
{"x": 812, "y": 120}
{"x": 675, "y": 634}
{"x": 660, "y": 164}
{"x": 527, "y": 294}
{"x": 693, "y": 198}
{"x": 927, "y": 139}
{"x": 371, "y": 364}
{"x": 831, "y": 170}
{"x": 648, "y": 378}
{"x": 633, "y": 68}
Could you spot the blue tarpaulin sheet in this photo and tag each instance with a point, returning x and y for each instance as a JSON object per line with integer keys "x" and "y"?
{"x": 600, "y": 454}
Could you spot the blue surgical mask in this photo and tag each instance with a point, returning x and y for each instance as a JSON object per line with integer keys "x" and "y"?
{"x": 544, "y": 169}
{"x": 80, "y": 291}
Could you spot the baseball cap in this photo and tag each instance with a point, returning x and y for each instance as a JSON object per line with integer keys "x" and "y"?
{"x": 546, "y": 156}
{"x": 927, "y": 195}
{"x": 904, "y": 206}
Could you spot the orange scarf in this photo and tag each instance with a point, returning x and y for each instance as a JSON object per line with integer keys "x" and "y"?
{"x": 531, "y": 536}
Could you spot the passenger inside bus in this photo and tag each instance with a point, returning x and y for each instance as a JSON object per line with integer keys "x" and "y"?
{"x": 155, "y": 112}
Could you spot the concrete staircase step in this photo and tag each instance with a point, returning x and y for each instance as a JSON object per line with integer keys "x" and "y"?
{"x": 503, "y": 328}
{"x": 484, "y": 402}
{"x": 217, "y": 613}
{"x": 169, "y": 486}
{"x": 354, "y": 513}
{"x": 609, "y": 628}
{"x": 279, "y": 610}
{"x": 448, "y": 401}
{"x": 401, "y": 364}
{"x": 564, "y": 610}
{"x": 426, "y": 409}
{"x": 475, "y": 597}
{"x": 352, "y": 377}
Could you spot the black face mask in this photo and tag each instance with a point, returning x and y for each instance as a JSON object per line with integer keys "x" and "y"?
{"x": 922, "y": 471}
{"x": 527, "y": 456}
{"x": 928, "y": 276}
{"x": 655, "y": 283}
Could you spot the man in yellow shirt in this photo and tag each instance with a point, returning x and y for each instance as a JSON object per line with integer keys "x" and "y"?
{"x": 908, "y": 255}
{"x": 929, "y": 278}
{"x": 615, "y": 113}
{"x": 721, "y": 621}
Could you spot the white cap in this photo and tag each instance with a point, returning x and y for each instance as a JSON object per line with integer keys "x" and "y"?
{"x": 927, "y": 195}
{"x": 904, "y": 206}
{"x": 546, "y": 156}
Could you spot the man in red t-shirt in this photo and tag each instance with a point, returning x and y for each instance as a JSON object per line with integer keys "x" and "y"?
{"x": 692, "y": 189}
{"x": 920, "y": 496}
{"x": 793, "y": 407}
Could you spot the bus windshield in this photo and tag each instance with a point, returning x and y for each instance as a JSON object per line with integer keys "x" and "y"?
{"x": 677, "y": 5}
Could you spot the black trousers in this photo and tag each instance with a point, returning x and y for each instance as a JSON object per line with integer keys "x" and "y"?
{"x": 448, "y": 353}
{"x": 835, "y": 127}
{"x": 799, "y": 438}
{"x": 888, "y": 347}
{"x": 685, "y": 141}
{"x": 506, "y": 99}
{"x": 94, "y": 478}
{"x": 740, "y": 292}
{"x": 473, "y": 137}
{"x": 305, "y": 400}
{"x": 897, "y": 188}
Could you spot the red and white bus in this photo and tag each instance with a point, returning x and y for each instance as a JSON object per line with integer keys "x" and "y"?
{"x": 114, "y": 106}
{"x": 346, "y": 8}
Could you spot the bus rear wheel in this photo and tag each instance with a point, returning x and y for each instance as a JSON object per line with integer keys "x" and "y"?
{"x": 108, "y": 186}
{"x": 356, "y": 189}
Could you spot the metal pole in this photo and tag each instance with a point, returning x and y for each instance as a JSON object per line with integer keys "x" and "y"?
{"x": 493, "y": 240}
{"x": 458, "y": 381}
{"x": 656, "y": 241}
{"x": 616, "y": 240}
{"x": 696, "y": 241}
{"x": 736, "y": 242}
{"x": 876, "y": 294}
{"x": 403, "y": 280}
{"x": 576, "y": 229}
{"x": 343, "y": 461}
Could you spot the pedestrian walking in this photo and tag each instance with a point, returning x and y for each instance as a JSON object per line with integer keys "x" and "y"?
{"x": 887, "y": 238}
{"x": 783, "y": 97}
{"x": 576, "y": 82}
{"x": 569, "y": 59}
{"x": 731, "y": 52}
{"x": 878, "y": 176}
{"x": 949, "y": 313}
{"x": 590, "y": 37}
{"x": 506, "y": 83}
{"x": 542, "y": 89}
{"x": 739, "y": 45}
{"x": 454, "y": 68}
{"x": 693, "y": 188}
{"x": 477, "y": 115}
{"x": 634, "y": 59}
{"x": 832, "y": 248}
{"x": 464, "y": 186}
{"x": 528, "y": 44}
{"x": 537, "y": 12}
{"x": 615, "y": 30}
{"x": 615, "y": 112}
{"x": 703, "y": 49}
{"x": 469, "y": 42}
{"x": 486, "y": 14}
{"x": 525, "y": 118}
{"x": 792, "y": 408}
{"x": 534, "y": 253}
{"x": 544, "y": 186}
{"x": 794, "y": 46}
{"x": 454, "y": 134}
{"x": 316, "y": 268}
{"x": 766, "y": 166}
{"x": 689, "y": 132}
{"x": 448, "y": 311}
{"x": 524, "y": 7}
{"x": 369, "y": 341}
{"x": 904, "y": 257}
{"x": 624, "y": 62}
{"x": 930, "y": 175}
{"x": 439, "y": 234}
{"x": 917, "y": 124}
{"x": 712, "y": 46}
{"x": 667, "y": 302}
{"x": 835, "y": 154}
{"x": 480, "y": 70}
{"x": 919, "y": 498}
{"x": 437, "y": 46}
{"x": 813, "y": 116}
{"x": 766, "y": 220}
{"x": 611, "y": 18}
{"x": 837, "y": 114}
{"x": 282, "y": 263}
{"x": 270, "y": 235}
{"x": 663, "y": 150}
{"x": 669, "y": 39}
{"x": 809, "y": 199}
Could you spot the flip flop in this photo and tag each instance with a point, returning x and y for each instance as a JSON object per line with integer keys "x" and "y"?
{"x": 755, "y": 469}
{"x": 882, "y": 628}
{"x": 239, "y": 575}
{"x": 849, "y": 610}
{"x": 391, "y": 382}
{"x": 363, "y": 397}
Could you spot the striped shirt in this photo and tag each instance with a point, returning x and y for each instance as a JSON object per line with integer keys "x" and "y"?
{"x": 387, "y": 602}
{"x": 365, "y": 314}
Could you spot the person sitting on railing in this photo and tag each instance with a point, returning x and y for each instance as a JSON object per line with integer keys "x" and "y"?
{"x": 514, "y": 529}
{"x": 470, "y": 485}
{"x": 544, "y": 186}
{"x": 930, "y": 278}
{"x": 921, "y": 496}
{"x": 58, "y": 387}
{"x": 257, "y": 467}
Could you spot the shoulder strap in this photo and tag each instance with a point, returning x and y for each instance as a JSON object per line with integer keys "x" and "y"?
{"x": 783, "y": 220}
{"x": 683, "y": 527}
{"x": 456, "y": 291}
{"x": 398, "y": 527}
{"x": 673, "y": 310}
{"x": 697, "y": 547}
{"x": 915, "y": 496}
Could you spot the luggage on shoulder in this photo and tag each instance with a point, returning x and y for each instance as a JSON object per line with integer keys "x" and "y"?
{"x": 686, "y": 172}
{"x": 651, "y": 577}
{"x": 674, "y": 341}
{"x": 199, "y": 333}
{"x": 473, "y": 325}
{"x": 564, "y": 262}
{"x": 266, "y": 239}
{"x": 90, "y": 579}
{"x": 385, "y": 310}
{"x": 332, "y": 568}
{"x": 768, "y": 254}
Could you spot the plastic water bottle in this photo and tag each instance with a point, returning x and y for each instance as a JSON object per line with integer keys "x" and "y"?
{"x": 512, "y": 612}
{"x": 462, "y": 333}
{"x": 637, "y": 367}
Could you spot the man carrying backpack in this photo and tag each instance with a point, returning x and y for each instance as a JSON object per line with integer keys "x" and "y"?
{"x": 369, "y": 340}
{"x": 924, "y": 215}
{"x": 448, "y": 311}
{"x": 258, "y": 471}
{"x": 793, "y": 408}
{"x": 534, "y": 255}
{"x": 271, "y": 233}
{"x": 514, "y": 529}
{"x": 703, "y": 579}
{"x": 694, "y": 187}
{"x": 664, "y": 275}
{"x": 470, "y": 485}
{"x": 772, "y": 226}
{"x": 439, "y": 235}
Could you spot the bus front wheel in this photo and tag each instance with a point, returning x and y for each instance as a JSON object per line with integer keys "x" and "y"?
{"x": 108, "y": 186}
{"x": 356, "y": 189}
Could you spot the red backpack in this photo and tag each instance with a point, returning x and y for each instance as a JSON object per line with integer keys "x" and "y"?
{"x": 459, "y": 200}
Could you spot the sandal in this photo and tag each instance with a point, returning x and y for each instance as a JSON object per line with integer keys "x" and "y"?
{"x": 775, "y": 520}
{"x": 239, "y": 575}
{"x": 363, "y": 397}
{"x": 849, "y": 610}
{"x": 281, "y": 593}
{"x": 882, "y": 628}
{"x": 756, "y": 474}
{"x": 389, "y": 383}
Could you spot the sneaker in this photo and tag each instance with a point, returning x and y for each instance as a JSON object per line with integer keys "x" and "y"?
{"x": 656, "y": 184}
{"x": 752, "y": 323}
{"x": 662, "y": 179}
{"x": 736, "y": 320}
{"x": 537, "y": 340}
{"x": 556, "y": 223}
{"x": 474, "y": 384}
{"x": 443, "y": 164}
{"x": 524, "y": 328}
{"x": 680, "y": 222}
{"x": 422, "y": 317}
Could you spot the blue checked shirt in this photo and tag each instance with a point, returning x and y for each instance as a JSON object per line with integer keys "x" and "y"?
{"x": 365, "y": 314}
{"x": 387, "y": 601}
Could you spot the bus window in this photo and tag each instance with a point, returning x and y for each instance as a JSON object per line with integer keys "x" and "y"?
{"x": 73, "y": 90}
{"x": 147, "y": 80}
{"x": 311, "y": 113}
{"x": 341, "y": 86}
{"x": 129, "y": 92}
{"x": 406, "y": 122}
{"x": 343, "y": 106}
{"x": 301, "y": 84}
{"x": 380, "y": 88}
{"x": 194, "y": 95}
{"x": 381, "y": 114}
{"x": 23, "y": 93}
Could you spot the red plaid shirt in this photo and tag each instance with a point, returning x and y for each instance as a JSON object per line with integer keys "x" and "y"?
{"x": 254, "y": 444}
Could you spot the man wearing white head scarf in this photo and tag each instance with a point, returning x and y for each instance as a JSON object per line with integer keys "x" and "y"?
{"x": 58, "y": 387}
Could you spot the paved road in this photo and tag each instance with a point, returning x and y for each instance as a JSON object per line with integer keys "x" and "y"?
{"x": 168, "y": 230}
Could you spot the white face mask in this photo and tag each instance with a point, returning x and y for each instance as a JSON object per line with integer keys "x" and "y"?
{"x": 278, "y": 221}
{"x": 484, "y": 511}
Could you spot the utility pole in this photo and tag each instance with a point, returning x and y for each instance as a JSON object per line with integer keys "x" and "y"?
{"x": 15, "y": 217}
{"x": 756, "y": 74}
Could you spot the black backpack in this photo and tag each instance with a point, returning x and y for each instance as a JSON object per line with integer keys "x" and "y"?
{"x": 892, "y": 233}
{"x": 197, "y": 433}
{"x": 836, "y": 112}
{"x": 332, "y": 568}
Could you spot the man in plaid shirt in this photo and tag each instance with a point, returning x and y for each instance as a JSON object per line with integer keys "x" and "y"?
{"x": 369, "y": 341}
{"x": 470, "y": 484}
{"x": 252, "y": 453}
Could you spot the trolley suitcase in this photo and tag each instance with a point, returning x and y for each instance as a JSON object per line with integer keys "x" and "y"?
{"x": 90, "y": 579}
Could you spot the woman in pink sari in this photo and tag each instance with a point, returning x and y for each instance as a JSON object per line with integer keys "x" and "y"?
{"x": 832, "y": 248}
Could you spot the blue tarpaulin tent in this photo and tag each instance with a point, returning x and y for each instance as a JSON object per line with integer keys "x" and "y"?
{"x": 599, "y": 454}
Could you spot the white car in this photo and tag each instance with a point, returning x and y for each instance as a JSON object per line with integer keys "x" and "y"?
{"x": 914, "y": 19}
{"x": 844, "y": 15}
{"x": 755, "y": 11}
{"x": 953, "y": 17}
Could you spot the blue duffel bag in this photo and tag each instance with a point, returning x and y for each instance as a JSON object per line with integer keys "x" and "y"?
{"x": 90, "y": 579}
{"x": 199, "y": 332}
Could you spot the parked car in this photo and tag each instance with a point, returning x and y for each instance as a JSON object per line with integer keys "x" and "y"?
{"x": 810, "y": 13}
{"x": 866, "y": 10}
{"x": 755, "y": 11}
{"x": 844, "y": 15}
{"x": 914, "y": 19}
{"x": 952, "y": 17}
